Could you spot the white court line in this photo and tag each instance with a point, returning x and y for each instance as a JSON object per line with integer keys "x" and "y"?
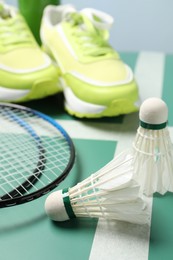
{"x": 123, "y": 241}
{"x": 149, "y": 74}
{"x": 92, "y": 130}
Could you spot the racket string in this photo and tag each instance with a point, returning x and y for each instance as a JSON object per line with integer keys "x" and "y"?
{"x": 33, "y": 153}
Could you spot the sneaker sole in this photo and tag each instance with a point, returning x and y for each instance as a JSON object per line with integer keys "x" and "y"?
{"x": 40, "y": 89}
{"x": 79, "y": 108}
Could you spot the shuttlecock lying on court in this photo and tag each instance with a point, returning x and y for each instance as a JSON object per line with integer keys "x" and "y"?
{"x": 109, "y": 193}
{"x": 152, "y": 149}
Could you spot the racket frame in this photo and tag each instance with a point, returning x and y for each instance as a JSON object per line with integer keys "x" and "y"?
{"x": 44, "y": 190}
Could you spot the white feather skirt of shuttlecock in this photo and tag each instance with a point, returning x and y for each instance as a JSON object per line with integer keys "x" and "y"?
{"x": 153, "y": 161}
{"x": 110, "y": 193}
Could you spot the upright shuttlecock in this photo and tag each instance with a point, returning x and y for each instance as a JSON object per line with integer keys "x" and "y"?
{"x": 109, "y": 193}
{"x": 153, "y": 150}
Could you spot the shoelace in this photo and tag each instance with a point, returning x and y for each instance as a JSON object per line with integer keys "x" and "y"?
{"x": 13, "y": 31}
{"x": 92, "y": 40}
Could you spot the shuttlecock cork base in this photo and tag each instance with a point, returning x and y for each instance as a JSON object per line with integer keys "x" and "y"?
{"x": 110, "y": 193}
{"x": 152, "y": 149}
{"x": 153, "y": 114}
{"x": 58, "y": 206}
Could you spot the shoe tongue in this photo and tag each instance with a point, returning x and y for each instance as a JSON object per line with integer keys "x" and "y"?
{"x": 99, "y": 19}
{"x": 67, "y": 10}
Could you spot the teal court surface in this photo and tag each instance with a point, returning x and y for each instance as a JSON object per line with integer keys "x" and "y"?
{"x": 25, "y": 231}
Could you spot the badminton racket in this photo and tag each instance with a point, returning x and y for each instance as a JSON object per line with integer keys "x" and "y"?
{"x": 36, "y": 154}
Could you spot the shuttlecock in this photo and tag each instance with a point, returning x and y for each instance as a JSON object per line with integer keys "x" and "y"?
{"x": 152, "y": 149}
{"x": 109, "y": 193}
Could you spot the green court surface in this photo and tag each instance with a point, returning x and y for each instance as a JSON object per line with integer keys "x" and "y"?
{"x": 25, "y": 231}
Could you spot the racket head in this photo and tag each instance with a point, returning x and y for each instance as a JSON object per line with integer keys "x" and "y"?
{"x": 36, "y": 154}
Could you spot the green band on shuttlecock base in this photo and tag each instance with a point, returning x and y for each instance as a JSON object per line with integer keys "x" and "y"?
{"x": 153, "y": 126}
{"x": 67, "y": 204}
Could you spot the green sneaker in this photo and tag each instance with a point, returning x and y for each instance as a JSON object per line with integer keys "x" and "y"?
{"x": 26, "y": 72}
{"x": 94, "y": 79}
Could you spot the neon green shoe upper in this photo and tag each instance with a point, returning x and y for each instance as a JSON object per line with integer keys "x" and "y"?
{"x": 80, "y": 44}
{"x": 89, "y": 66}
{"x": 26, "y": 72}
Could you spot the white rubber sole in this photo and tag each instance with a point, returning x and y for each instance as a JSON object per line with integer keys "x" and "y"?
{"x": 72, "y": 103}
{"x": 12, "y": 94}
{"x": 80, "y": 108}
